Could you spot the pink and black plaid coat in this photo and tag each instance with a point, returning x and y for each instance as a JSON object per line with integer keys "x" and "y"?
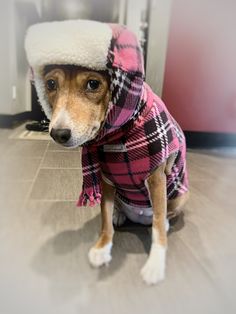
{"x": 138, "y": 135}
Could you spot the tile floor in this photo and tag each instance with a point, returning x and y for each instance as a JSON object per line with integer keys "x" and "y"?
{"x": 44, "y": 240}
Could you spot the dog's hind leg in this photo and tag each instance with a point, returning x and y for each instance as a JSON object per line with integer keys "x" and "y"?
{"x": 154, "y": 269}
{"x": 100, "y": 253}
{"x": 119, "y": 216}
{"x": 174, "y": 206}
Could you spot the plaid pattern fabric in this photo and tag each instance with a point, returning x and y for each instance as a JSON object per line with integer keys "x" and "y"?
{"x": 91, "y": 177}
{"x": 151, "y": 140}
{"x": 138, "y": 135}
{"x": 126, "y": 70}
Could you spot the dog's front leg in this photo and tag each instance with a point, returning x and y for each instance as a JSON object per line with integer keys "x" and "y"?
{"x": 100, "y": 253}
{"x": 154, "y": 269}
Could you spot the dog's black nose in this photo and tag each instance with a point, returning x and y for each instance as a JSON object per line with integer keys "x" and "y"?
{"x": 61, "y": 135}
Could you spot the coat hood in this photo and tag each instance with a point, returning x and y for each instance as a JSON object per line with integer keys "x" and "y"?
{"x": 96, "y": 46}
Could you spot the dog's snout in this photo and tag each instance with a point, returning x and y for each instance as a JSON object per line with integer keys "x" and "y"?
{"x": 61, "y": 135}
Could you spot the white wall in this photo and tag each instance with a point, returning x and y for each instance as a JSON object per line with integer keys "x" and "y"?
{"x": 5, "y": 60}
{"x": 135, "y": 10}
{"x": 15, "y": 17}
{"x": 159, "y": 16}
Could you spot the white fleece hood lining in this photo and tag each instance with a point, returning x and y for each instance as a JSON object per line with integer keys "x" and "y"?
{"x": 78, "y": 42}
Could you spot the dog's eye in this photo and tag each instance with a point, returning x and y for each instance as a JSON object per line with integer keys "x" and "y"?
{"x": 92, "y": 85}
{"x": 51, "y": 85}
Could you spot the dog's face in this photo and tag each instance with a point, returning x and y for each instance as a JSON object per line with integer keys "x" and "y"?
{"x": 79, "y": 100}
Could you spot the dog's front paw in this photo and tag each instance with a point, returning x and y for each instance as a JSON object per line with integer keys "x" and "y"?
{"x": 154, "y": 269}
{"x": 102, "y": 256}
{"x": 118, "y": 218}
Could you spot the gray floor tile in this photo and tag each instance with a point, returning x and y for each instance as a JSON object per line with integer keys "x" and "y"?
{"x": 26, "y": 148}
{"x": 60, "y": 159}
{"x": 57, "y": 184}
{"x": 57, "y": 147}
{"x": 4, "y": 134}
{"x": 14, "y": 168}
{"x": 12, "y": 190}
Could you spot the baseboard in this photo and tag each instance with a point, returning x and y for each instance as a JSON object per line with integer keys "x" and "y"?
{"x": 209, "y": 140}
{"x": 10, "y": 121}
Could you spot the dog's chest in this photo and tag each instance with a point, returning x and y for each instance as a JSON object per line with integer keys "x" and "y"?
{"x": 126, "y": 169}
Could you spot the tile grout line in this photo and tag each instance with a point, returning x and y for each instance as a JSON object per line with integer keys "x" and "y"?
{"x": 64, "y": 151}
{"x": 54, "y": 200}
{"x": 61, "y": 168}
{"x": 35, "y": 176}
{"x": 16, "y": 181}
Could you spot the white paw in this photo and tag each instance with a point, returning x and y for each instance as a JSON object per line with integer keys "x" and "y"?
{"x": 118, "y": 217}
{"x": 154, "y": 269}
{"x": 99, "y": 257}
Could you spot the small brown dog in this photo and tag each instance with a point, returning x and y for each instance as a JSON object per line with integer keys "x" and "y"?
{"x": 79, "y": 100}
{"x": 89, "y": 78}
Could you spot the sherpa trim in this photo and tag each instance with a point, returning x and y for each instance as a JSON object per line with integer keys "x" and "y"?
{"x": 79, "y": 42}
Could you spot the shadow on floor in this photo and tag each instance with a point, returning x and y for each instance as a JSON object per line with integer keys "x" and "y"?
{"x": 65, "y": 254}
